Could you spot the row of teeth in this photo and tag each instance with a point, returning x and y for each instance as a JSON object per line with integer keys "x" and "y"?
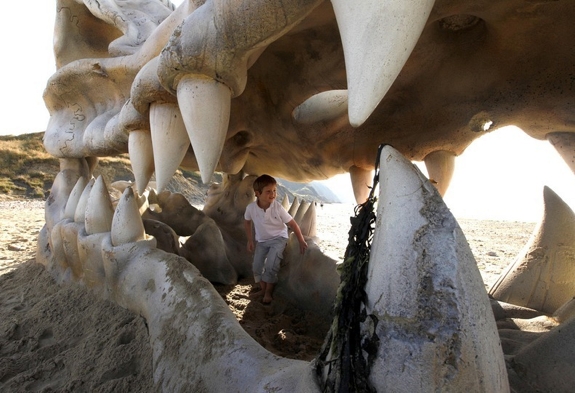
{"x": 89, "y": 203}
{"x": 390, "y": 29}
{"x": 204, "y": 124}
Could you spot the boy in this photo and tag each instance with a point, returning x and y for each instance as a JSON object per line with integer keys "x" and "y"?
{"x": 269, "y": 219}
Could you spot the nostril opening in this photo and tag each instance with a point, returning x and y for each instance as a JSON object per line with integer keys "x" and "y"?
{"x": 241, "y": 139}
{"x": 458, "y": 22}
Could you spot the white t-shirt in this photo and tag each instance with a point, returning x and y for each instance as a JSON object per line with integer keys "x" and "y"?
{"x": 268, "y": 224}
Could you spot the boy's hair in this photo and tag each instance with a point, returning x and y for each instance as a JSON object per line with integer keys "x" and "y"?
{"x": 263, "y": 181}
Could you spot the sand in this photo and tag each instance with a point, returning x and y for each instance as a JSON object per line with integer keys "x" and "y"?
{"x": 62, "y": 338}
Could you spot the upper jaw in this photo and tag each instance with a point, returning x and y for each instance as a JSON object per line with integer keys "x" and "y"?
{"x": 232, "y": 137}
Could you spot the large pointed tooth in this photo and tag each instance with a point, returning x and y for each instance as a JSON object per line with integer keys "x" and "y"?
{"x": 440, "y": 165}
{"x": 324, "y": 106}
{"x": 431, "y": 317}
{"x": 564, "y": 143}
{"x": 207, "y": 117}
{"x": 361, "y": 181}
{"x": 294, "y": 206}
{"x": 99, "y": 210}
{"x": 542, "y": 276}
{"x": 127, "y": 225}
{"x": 80, "y": 212}
{"x": 301, "y": 211}
{"x": 74, "y": 197}
{"x": 285, "y": 202}
{"x": 308, "y": 222}
{"x": 169, "y": 139}
{"x": 378, "y": 37}
{"x": 141, "y": 157}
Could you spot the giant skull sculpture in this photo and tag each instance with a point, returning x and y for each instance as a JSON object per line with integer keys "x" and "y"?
{"x": 303, "y": 90}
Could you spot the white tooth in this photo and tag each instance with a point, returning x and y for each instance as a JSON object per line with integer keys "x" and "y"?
{"x": 285, "y": 202}
{"x": 301, "y": 211}
{"x": 324, "y": 106}
{"x": 377, "y": 37}
{"x": 421, "y": 272}
{"x": 141, "y": 157}
{"x": 99, "y": 210}
{"x": 361, "y": 181}
{"x": 207, "y": 117}
{"x": 169, "y": 141}
{"x": 308, "y": 222}
{"x": 440, "y": 165}
{"x": 564, "y": 143}
{"x": 74, "y": 197}
{"x": 294, "y": 206}
{"x": 127, "y": 225}
{"x": 542, "y": 276}
{"x": 80, "y": 212}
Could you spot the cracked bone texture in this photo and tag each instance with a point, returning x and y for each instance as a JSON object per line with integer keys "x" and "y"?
{"x": 433, "y": 318}
{"x": 475, "y": 67}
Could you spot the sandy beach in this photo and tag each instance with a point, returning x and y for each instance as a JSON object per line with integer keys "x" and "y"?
{"x": 62, "y": 338}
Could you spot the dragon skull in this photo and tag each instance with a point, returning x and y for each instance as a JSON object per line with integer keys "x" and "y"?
{"x": 302, "y": 90}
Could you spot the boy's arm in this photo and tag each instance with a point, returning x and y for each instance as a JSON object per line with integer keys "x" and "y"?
{"x": 249, "y": 234}
{"x": 295, "y": 228}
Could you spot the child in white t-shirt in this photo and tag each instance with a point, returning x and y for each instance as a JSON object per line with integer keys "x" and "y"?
{"x": 269, "y": 219}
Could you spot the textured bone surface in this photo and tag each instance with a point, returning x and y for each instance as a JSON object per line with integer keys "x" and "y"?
{"x": 433, "y": 318}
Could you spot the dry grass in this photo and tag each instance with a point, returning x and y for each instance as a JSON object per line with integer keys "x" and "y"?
{"x": 26, "y": 169}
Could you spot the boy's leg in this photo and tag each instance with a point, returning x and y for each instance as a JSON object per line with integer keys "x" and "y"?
{"x": 268, "y": 293}
{"x": 273, "y": 262}
{"x": 258, "y": 267}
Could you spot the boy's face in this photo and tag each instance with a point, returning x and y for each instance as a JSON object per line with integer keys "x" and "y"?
{"x": 267, "y": 195}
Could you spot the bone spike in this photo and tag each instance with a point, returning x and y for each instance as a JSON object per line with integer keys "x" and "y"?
{"x": 141, "y": 157}
{"x": 324, "y": 106}
{"x": 304, "y": 205}
{"x": 440, "y": 165}
{"x": 542, "y": 275}
{"x": 378, "y": 37}
{"x": 169, "y": 139}
{"x": 285, "y": 202}
{"x": 80, "y": 212}
{"x": 74, "y": 197}
{"x": 127, "y": 225}
{"x": 308, "y": 222}
{"x": 99, "y": 210}
{"x": 564, "y": 143}
{"x": 422, "y": 274}
{"x": 207, "y": 116}
{"x": 294, "y": 207}
{"x": 361, "y": 181}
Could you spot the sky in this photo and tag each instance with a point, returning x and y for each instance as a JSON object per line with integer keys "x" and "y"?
{"x": 500, "y": 176}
